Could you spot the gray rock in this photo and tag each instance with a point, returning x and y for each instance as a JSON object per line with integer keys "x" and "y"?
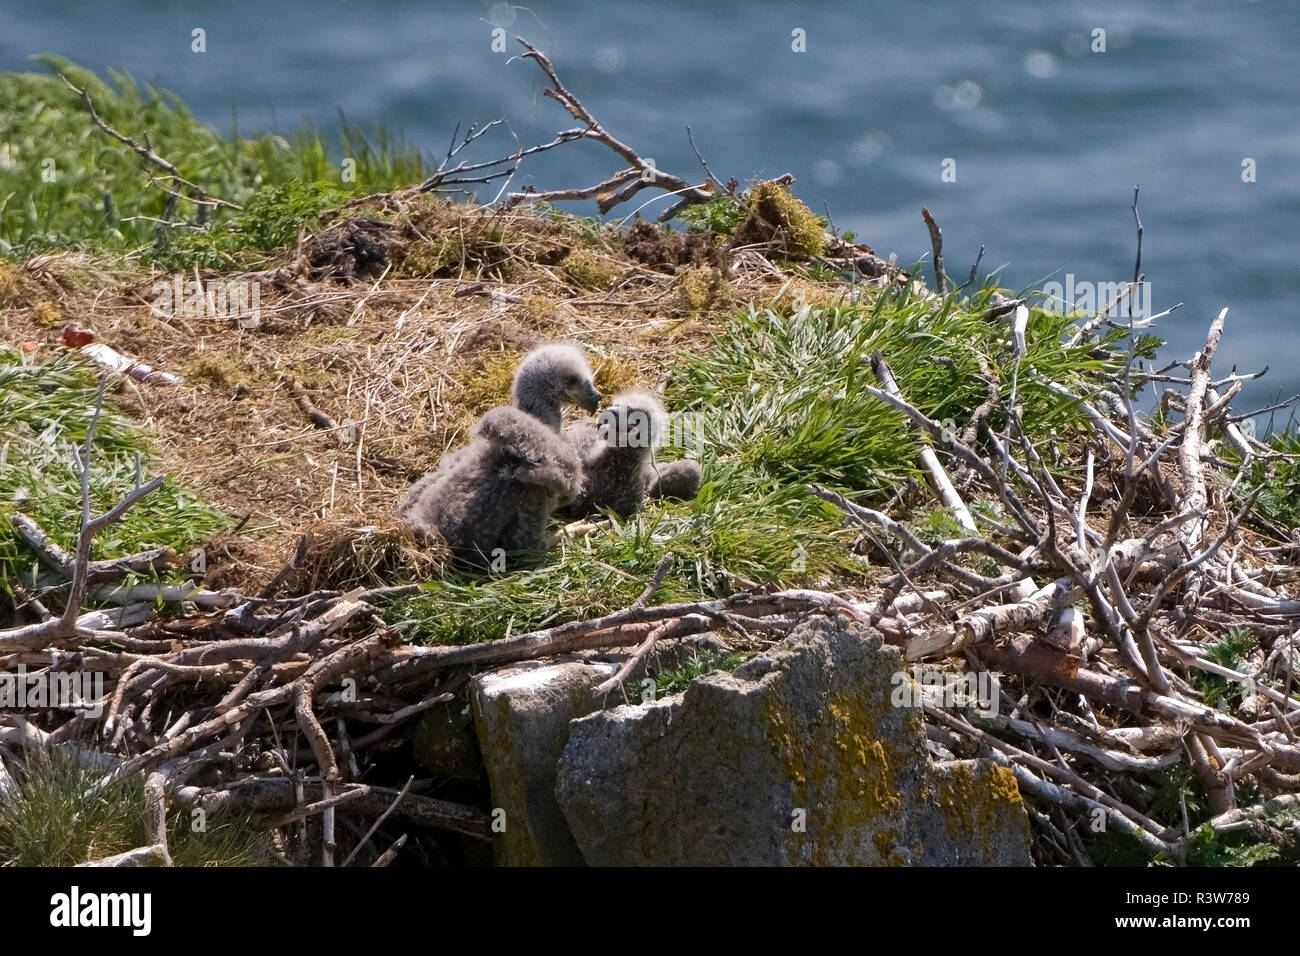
{"x": 522, "y": 715}
{"x": 795, "y": 758}
{"x": 154, "y": 855}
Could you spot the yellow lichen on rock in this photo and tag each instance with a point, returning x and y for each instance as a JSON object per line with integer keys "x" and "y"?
{"x": 976, "y": 799}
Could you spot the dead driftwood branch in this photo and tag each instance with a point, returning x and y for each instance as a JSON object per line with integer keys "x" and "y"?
{"x": 65, "y": 627}
{"x": 639, "y": 173}
{"x": 203, "y": 201}
{"x": 942, "y": 483}
{"x": 621, "y": 186}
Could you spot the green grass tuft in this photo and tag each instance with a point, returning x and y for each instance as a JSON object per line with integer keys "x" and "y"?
{"x": 779, "y": 393}
{"x": 1278, "y": 480}
{"x": 676, "y": 679}
{"x": 1229, "y": 651}
{"x": 44, "y": 821}
{"x": 270, "y": 220}
{"x": 45, "y": 408}
{"x": 720, "y": 215}
{"x": 64, "y": 184}
{"x": 789, "y": 537}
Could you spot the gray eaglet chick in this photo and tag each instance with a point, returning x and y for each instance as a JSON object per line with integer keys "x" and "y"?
{"x": 617, "y": 451}
{"x": 499, "y": 491}
{"x": 548, "y": 378}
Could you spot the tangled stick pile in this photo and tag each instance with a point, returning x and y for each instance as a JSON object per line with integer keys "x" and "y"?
{"x": 1104, "y": 697}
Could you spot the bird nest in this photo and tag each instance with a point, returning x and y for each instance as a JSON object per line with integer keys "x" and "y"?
{"x": 1098, "y": 602}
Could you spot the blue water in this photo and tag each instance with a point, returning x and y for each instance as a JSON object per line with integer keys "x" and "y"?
{"x": 1048, "y": 137}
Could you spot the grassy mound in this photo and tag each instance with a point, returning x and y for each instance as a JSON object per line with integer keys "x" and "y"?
{"x": 65, "y": 185}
